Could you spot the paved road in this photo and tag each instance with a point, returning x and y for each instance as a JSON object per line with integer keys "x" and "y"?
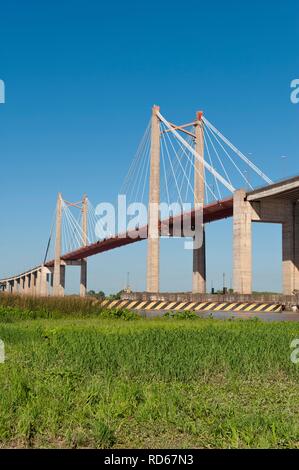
{"x": 283, "y": 316}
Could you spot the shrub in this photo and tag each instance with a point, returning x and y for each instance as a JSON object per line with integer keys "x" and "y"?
{"x": 181, "y": 315}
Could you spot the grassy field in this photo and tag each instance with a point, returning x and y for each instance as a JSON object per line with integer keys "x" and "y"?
{"x": 93, "y": 381}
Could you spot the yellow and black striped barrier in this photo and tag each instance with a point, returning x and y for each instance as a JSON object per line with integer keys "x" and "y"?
{"x": 192, "y": 306}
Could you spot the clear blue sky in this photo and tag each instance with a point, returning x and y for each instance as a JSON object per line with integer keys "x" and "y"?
{"x": 81, "y": 78}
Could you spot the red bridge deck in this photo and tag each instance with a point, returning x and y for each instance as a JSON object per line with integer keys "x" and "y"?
{"x": 211, "y": 212}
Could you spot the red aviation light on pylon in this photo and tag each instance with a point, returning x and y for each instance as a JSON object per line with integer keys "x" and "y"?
{"x": 199, "y": 115}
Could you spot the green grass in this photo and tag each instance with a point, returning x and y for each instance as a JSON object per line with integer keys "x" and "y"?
{"x": 15, "y": 307}
{"x": 107, "y": 382}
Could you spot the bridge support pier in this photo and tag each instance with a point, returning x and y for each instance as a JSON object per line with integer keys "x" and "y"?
{"x": 199, "y": 254}
{"x": 26, "y": 284}
{"x": 153, "y": 242}
{"x": 242, "y": 262}
{"x": 30, "y": 284}
{"x": 290, "y": 249}
{"x": 21, "y": 285}
{"x": 35, "y": 290}
{"x": 59, "y": 269}
{"x": 59, "y": 281}
{"x": 83, "y": 264}
{"x": 43, "y": 285}
{"x": 37, "y": 282}
{"x": 83, "y": 278}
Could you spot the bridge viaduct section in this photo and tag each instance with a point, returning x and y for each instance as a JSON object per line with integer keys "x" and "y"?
{"x": 33, "y": 282}
{"x": 50, "y": 277}
{"x": 153, "y": 251}
{"x": 60, "y": 264}
{"x": 277, "y": 203}
{"x": 274, "y": 203}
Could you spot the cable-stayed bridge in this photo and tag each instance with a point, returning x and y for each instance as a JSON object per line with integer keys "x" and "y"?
{"x": 195, "y": 173}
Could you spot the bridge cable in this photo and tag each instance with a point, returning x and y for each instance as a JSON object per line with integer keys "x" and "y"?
{"x": 146, "y": 177}
{"x": 50, "y": 237}
{"x": 196, "y": 154}
{"x": 187, "y": 162}
{"x": 135, "y": 162}
{"x": 133, "y": 180}
{"x": 175, "y": 179}
{"x": 195, "y": 169}
{"x": 238, "y": 152}
{"x": 209, "y": 131}
{"x": 188, "y": 182}
{"x": 211, "y": 163}
{"x": 189, "y": 176}
{"x": 218, "y": 156}
{"x": 141, "y": 173}
{"x": 176, "y": 174}
{"x": 164, "y": 173}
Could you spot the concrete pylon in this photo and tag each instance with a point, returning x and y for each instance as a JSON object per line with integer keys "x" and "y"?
{"x": 30, "y": 283}
{"x": 21, "y": 286}
{"x": 242, "y": 244}
{"x": 37, "y": 283}
{"x": 26, "y": 284}
{"x": 23, "y": 280}
{"x": 83, "y": 267}
{"x": 153, "y": 243}
{"x": 59, "y": 269}
{"x": 290, "y": 248}
{"x": 199, "y": 254}
{"x": 42, "y": 284}
{"x": 34, "y": 282}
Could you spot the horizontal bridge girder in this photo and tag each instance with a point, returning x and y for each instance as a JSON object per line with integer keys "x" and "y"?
{"x": 286, "y": 189}
{"x": 211, "y": 212}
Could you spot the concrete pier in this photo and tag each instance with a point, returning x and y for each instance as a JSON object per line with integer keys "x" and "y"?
{"x": 290, "y": 249}
{"x": 242, "y": 251}
{"x": 277, "y": 204}
{"x": 153, "y": 243}
{"x": 83, "y": 266}
{"x": 59, "y": 269}
{"x": 199, "y": 254}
